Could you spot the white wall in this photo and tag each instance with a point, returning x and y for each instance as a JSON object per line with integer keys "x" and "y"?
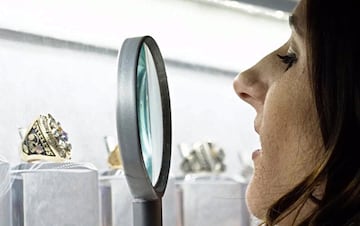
{"x": 186, "y": 30}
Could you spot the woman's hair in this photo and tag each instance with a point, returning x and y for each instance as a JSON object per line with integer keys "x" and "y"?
{"x": 333, "y": 47}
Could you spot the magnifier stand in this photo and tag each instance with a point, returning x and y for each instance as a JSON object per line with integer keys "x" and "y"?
{"x": 147, "y": 212}
{"x": 143, "y": 117}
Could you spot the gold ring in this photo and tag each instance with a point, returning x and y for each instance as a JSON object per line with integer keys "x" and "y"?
{"x": 45, "y": 140}
{"x": 114, "y": 159}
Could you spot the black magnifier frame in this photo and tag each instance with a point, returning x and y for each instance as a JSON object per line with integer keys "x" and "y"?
{"x": 147, "y": 204}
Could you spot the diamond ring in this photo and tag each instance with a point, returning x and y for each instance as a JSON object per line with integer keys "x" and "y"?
{"x": 45, "y": 140}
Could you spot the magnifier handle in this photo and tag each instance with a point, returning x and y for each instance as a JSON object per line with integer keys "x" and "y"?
{"x": 147, "y": 212}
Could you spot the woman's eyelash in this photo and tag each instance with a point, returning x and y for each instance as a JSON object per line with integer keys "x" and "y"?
{"x": 288, "y": 59}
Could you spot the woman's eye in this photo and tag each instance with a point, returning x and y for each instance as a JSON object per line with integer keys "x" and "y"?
{"x": 288, "y": 59}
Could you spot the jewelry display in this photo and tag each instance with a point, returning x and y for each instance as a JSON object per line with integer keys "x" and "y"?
{"x": 45, "y": 140}
{"x": 5, "y": 192}
{"x": 202, "y": 157}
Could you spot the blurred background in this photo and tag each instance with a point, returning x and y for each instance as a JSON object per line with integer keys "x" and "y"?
{"x": 60, "y": 57}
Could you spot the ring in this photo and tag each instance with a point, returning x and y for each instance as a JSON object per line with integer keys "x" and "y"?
{"x": 45, "y": 140}
{"x": 114, "y": 159}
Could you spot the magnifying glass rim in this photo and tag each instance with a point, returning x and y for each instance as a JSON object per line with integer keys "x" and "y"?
{"x": 136, "y": 174}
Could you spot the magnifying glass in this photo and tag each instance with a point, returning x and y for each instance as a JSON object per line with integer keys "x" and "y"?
{"x": 144, "y": 126}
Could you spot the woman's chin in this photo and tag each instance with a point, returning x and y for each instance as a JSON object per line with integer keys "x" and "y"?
{"x": 255, "y": 203}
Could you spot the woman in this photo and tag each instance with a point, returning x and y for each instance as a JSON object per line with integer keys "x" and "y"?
{"x": 307, "y": 98}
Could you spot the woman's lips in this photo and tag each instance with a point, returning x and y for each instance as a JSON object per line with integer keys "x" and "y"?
{"x": 256, "y": 153}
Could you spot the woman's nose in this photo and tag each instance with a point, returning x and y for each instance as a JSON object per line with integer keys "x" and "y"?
{"x": 251, "y": 87}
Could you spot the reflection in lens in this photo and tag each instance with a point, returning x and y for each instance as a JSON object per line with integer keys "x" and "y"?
{"x": 149, "y": 113}
{"x": 144, "y": 111}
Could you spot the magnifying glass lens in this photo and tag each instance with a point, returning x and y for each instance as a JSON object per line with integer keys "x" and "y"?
{"x": 149, "y": 113}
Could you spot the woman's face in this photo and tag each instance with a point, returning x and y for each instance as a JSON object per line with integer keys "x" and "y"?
{"x": 286, "y": 119}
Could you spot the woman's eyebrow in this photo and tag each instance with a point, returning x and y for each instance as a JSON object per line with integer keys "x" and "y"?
{"x": 294, "y": 25}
